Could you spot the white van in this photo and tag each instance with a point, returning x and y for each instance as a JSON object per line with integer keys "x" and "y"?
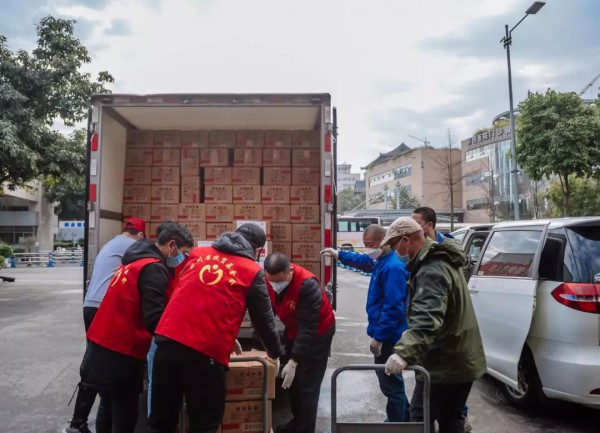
{"x": 536, "y": 292}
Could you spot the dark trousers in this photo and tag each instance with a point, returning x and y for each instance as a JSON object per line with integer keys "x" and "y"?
{"x": 118, "y": 411}
{"x": 447, "y": 402}
{"x": 306, "y": 387}
{"x": 393, "y": 388}
{"x": 86, "y": 395}
{"x": 180, "y": 371}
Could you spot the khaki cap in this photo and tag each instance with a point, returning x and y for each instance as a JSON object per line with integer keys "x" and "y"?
{"x": 404, "y": 226}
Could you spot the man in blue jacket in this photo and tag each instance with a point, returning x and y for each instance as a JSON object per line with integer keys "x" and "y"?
{"x": 386, "y": 310}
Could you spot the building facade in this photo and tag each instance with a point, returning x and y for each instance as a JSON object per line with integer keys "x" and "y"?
{"x": 487, "y": 188}
{"x": 420, "y": 174}
{"x": 345, "y": 178}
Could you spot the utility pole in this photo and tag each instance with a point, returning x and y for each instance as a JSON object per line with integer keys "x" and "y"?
{"x": 385, "y": 196}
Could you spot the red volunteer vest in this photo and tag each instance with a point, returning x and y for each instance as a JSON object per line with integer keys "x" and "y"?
{"x": 208, "y": 305}
{"x": 286, "y": 309}
{"x": 118, "y": 324}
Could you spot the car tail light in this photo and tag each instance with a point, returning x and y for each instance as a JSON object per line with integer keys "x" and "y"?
{"x": 579, "y": 296}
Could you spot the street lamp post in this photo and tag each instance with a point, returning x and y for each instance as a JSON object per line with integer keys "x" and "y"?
{"x": 397, "y": 195}
{"x": 507, "y": 40}
{"x": 385, "y": 196}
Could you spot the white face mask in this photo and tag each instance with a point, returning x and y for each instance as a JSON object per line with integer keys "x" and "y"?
{"x": 279, "y": 286}
{"x": 373, "y": 253}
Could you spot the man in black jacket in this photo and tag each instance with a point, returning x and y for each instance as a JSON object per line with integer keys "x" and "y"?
{"x": 122, "y": 329}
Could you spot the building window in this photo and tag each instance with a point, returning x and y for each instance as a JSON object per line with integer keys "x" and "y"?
{"x": 478, "y": 203}
{"x": 475, "y": 178}
{"x": 393, "y": 174}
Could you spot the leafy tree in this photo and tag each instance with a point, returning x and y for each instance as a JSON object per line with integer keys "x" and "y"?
{"x": 348, "y": 200}
{"x": 584, "y": 201}
{"x": 37, "y": 89}
{"x": 407, "y": 201}
{"x": 558, "y": 135}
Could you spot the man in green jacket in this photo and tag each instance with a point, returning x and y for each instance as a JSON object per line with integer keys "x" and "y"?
{"x": 442, "y": 335}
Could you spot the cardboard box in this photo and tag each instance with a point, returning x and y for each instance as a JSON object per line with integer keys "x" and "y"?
{"x": 217, "y": 175}
{"x": 136, "y": 210}
{"x": 244, "y": 380}
{"x": 281, "y": 232}
{"x": 305, "y": 213}
{"x": 218, "y": 194}
{"x": 248, "y": 212}
{"x": 167, "y": 139}
{"x": 192, "y": 212}
{"x": 219, "y": 212}
{"x": 277, "y": 212}
{"x": 306, "y": 233}
{"x": 278, "y": 139}
{"x": 250, "y": 138}
{"x": 247, "y": 157}
{"x": 214, "y": 230}
{"x": 276, "y": 194}
{"x": 190, "y": 161}
{"x": 197, "y": 139}
{"x": 277, "y": 157}
{"x": 196, "y": 228}
{"x": 152, "y": 231}
{"x": 246, "y": 194}
{"x": 167, "y": 157}
{"x": 138, "y": 175}
{"x": 306, "y": 251}
{"x": 304, "y": 194}
{"x": 245, "y": 417}
{"x": 306, "y": 158}
{"x": 137, "y": 194}
{"x": 305, "y": 139}
{"x": 165, "y": 194}
{"x": 191, "y": 189}
{"x": 306, "y": 176}
{"x": 314, "y": 267}
{"x": 281, "y": 247}
{"x": 140, "y": 138}
{"x": 164, "y": 212}
{"x": 165, "y": 176}
{"x": 215, "y": 157}
{"x": 277, "y": 176}
{"x": 139, "y": 157}
{"x": 222, "y": 138}
{"x": 246, "y": 176}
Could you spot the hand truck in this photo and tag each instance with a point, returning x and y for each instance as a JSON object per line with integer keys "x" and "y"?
{"x": 388, "y": 427}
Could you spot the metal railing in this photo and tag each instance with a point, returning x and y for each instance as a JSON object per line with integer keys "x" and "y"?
{"x": 48, "y": 259}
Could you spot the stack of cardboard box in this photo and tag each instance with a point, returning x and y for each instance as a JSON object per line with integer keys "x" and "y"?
{"x": 209, "y": 181}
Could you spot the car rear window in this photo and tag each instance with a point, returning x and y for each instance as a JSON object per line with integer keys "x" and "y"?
{"x": 585, "y": 248}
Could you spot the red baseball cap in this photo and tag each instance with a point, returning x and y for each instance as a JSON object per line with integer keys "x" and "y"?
{"x": 136, "y": 224}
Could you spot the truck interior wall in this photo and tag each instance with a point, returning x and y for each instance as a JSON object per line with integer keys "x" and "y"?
{"x": 113, "y": 137}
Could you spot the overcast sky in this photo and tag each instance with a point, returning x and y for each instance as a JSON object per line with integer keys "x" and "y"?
{"x": 393, "y": 67}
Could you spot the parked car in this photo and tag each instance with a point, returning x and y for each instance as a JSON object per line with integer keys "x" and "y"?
{"x": 472, "y": 239}
{"x": 535, "y": 287}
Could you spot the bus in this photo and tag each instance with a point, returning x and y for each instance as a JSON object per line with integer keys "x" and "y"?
{"x": 350, "y": 231}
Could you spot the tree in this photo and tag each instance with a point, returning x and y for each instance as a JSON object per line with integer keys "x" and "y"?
{"x": 584, "y": 200}
{"x": 348, "y": 200}
{"x": 37, "y": 89}
{"x": 450, "y": 167}
{"x": 407, "y": 201}
{"x": 558, "y": 135}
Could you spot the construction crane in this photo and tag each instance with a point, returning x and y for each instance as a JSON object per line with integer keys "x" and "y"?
{"x": 590, "y": 84}
{"x": 423, "y": 140}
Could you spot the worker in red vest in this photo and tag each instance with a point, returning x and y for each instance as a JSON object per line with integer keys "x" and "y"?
{"x": 122, "y": 329}
{"x": 302, "y": 305}
{"x": 198, "y": 329}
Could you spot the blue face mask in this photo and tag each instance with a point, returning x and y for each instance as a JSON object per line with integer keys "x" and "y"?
{"x": 173, "y": 262}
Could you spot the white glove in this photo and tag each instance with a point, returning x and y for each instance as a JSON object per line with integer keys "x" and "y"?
{"x": 237, "y": 348}
{"x": 288, "y": 374}
{"x": 375, "y": 347}
{"x": 395, "y": 364}
{"x": 330, "y": 252}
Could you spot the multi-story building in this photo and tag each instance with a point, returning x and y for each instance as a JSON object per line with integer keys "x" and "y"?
{"x": 487, "y": 189}
{"x": 421, "y": 173}
{"x": 345, "y": 178}
{"x": 25, "y": 213}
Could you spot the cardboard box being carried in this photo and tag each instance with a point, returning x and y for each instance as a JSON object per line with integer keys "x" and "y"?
{"x": 219, "y": 212}
{"x": 246, "y": 194}
{"x": 139, "y": 157}
{"x": 167, "y": 139}
{"x": 218, "y": 194}
{"x": 215, "y": 157}
{"x": 197, "y": 139}
{"x": 306, "y": 158}
{"x": 190, "y": 189}
{"x": 304, "y": 194}
{"x": 190, "y": 161}
{"x": 165, "y": 176}
{"x": 136, "y": 210}
{"x": 277, "y": 157}
{"x": 247, "y": 157}
{"x": 138, "y": 175}
{"x": 244, "y": 380}
{"x": 250, "y": 138}
{"x": 245, "y": 417}
{"x": 277, "y": 212}
{"x": 140, "y": 138}
{"x": 307, "y": 252}
{"x": 248, "y": 212}
{"x": 166, "y": 157}
{"x": 305, "y": 213}
{"x": 245, "y": 176}
{"x": 281, "y": 232}
{"x": 277, "y": 176}
{"x": 278, "y": 139}
{"x": 165, "y": 194}
{"x": 137, "y": 194}
{"x": 214, "y": 230}
{"x": 164, "y": 212}
{"x": 306, "y": 176}
{"x": 217, "y": 175}
{"x": 306, "y": 233}
{"x": 222, "y": 138}
{"x": 192, "y": 212}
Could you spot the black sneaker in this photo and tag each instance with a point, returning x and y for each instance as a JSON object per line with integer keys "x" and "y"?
{"x": 83, "y": 428}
